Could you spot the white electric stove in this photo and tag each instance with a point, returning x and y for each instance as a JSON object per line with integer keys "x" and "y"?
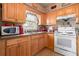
{"x": 65, "y": 41}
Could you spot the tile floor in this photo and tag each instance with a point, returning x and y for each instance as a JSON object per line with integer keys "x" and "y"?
{"x": 47, "y": 52}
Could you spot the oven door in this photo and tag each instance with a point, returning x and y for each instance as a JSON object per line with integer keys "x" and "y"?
{"x": 66, "y": 43}
{"x": 9, "y": 30}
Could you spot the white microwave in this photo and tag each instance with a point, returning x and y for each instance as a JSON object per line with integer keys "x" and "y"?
{"x": 9, "y": 30}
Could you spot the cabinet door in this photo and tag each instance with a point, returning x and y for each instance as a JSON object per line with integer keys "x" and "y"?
{"x": 45, "y": 40}
{"x": 2, "y": 47}
{"x": 43, "y": 19}
{"x": 77, "y": 13}
{"x": 78, "y": 46}
{"x": 60, "y": 12}
{"x": 51, "y": 41}
{"x": 9, "y": 12}
{"x": 21, "y": 10}
{"x": 12, "y": 50}
{"x": 34, "y": 46}
{"x": 70, "y": 10}
{"x": 24, "y": 46}
{"x": 23, "y": 49}
{"x": 41, "y": 43}
{"x": 51, "y": 18}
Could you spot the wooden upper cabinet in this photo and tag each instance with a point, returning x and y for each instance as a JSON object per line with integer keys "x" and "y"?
{"x": 67, "y": 10}
{"x": 73, "y": 9}
{"x": 13, "y": 12}
{"x": 77, "y": 13}
{"x": 70, "y": 10}
{"x": 51, "y": 18}
{"x": 9, "y": 12}
{"x": 43, "y": 19}
{"x": 61, "y": 12}
{"x": 21, "y": 12}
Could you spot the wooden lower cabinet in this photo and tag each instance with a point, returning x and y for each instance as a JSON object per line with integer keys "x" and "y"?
{"x": 45, "y": 40}
{"x": 24, "y": 46}
{"x": 2, "y": 47}
{"x": 51, "y": 41}
{"x": 17, "y": 50}
{"x": 28, "y": 46}
{"x": 78, "y": 46}
{"x": 12, "y": 50}
{"x": 20, "y": 48}
{"x": 34, "y": 46}
{"x": 38, "y": 42}
{"x": 22, "y": 51}
{"x": 41, "y": 43}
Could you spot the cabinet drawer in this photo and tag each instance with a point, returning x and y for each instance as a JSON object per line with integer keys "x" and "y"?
{"x": 38, "y": 36}
{"x": 11, "y": 42}
{"x": 77, "y": 42}
{"x": 23, "y": 39}
{"x": 34, "y": 36}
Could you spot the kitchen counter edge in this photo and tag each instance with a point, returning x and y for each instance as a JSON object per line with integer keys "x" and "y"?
{"x": 13, "y": 36}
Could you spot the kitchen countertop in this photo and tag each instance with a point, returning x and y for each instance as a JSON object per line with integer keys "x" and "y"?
{"x": 28, "y": 34}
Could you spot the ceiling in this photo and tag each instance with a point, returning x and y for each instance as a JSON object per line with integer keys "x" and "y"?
{"x": 49, "y": 4}
{"x": 47, "y": 7}
{"x": 53, "y": 6}
{"x": 46, "y": 4}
